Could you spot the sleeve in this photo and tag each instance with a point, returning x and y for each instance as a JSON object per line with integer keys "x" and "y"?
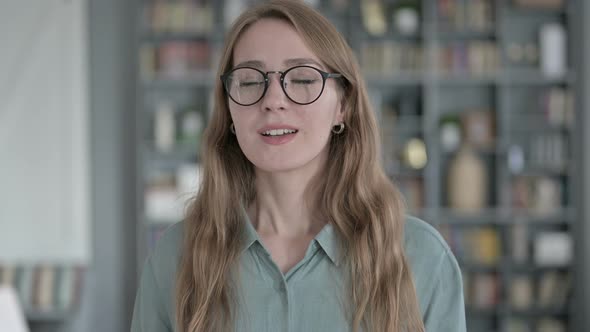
{"x": 445, "y": 311}
{"x": 149, "y": 313}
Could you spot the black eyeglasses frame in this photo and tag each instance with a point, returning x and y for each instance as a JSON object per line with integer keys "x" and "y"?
{"x": 224, "y": 78}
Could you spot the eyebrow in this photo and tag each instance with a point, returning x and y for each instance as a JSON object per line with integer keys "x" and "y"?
{"x": 301, "y": 61}
{"x": 289, "y": 62}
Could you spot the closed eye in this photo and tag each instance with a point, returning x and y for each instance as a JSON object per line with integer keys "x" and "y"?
{"x": 251, "y": 84}
{"x": 304, "y": 81}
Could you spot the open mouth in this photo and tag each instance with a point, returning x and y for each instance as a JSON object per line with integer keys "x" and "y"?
{"x": 279, "y": 132}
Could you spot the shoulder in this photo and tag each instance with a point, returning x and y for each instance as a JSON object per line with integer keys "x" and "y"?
{"x": 154, "y": 303}
{"x": 422, "y": 239}
{"x": 425, "y": 248}
{"x": 170, "y": 242}
{"x": 435, "y": 271}
{"x": 166, "y": 253}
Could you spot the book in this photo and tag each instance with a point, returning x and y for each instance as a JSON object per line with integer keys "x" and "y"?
{"x": 521, "y": 292}
{"x": 553, "y": 289}
{"x": 45, "y": 275}
{"x": 7, "y": 275}
{"x": 485, "y": 290}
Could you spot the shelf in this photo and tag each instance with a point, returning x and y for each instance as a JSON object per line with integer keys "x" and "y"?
{"x": 202, "y": 79}
{"x": 401, "y": 79}
{"x": 483, "y": 151}
{"x": 56, "y": 316}
{"x": 541, "y": 126}
{"x": 180, "y": 152}
{"x": 564, "y": 215}
{"x": 392, "y": 35}
{"x": 533, "y": 171}
{"x": 539, "y": 312}
{"x": 513, "y": 77}
{"x": 498, "y": 217}
{"x": 534, "y": 77}
{"x": 447, "y": 35}
{"x": 159, "y": 37}
{"x": 536, "y": 12}
{"x": 467, "y": 266}
{"x": 530, "y": 268}
{"x": 476, "y": 311}
{"x": 445, "y": 78}
{"x": 506, "y": 310}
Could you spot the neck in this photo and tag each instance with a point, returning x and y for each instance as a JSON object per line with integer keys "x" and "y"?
{"x": 284, "y": 206}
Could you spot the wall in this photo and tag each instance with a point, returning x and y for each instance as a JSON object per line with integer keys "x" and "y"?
{"x": 582, "y": 289}
{"x": 110, "y": 287}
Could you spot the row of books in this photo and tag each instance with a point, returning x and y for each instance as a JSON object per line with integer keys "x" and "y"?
{"x": 187, "y": 16}
{"x": 484, "y": 245}
{"x": 168, "y": 191}
{"x": 541, "y": 195}
{"x": 548, "y": 107}
{"x": 549, "y": 290}
{"x": 551, "y": 107}
{"x": 542, "y": 324}
{"x": 544, "y": 4}
{"x": 44, "y": 287}
{"x": 481, "y": 290}
{"x": 174, "y": 59}
{"x": 547, "y": 151}
{"x": 473, "y": 15}
{"x": 391, "y": 57}
{"x": 557, "y": 106}
{"x": 474, "y": 58}
{"x": 174, "y": 125}
{"x": 480, "y": 245}
{"x": 413, "y": 191}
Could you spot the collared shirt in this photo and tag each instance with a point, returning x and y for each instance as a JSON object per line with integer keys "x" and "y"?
{"x": 310, "y": 296}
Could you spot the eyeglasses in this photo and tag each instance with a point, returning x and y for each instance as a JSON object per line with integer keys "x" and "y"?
{"x": 301, "y": 84}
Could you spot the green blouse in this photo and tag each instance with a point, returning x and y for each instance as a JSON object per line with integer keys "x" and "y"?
{"x": 310, "y": 296}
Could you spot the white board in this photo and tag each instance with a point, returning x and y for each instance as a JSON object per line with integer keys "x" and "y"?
{"x": 44, "y": 131}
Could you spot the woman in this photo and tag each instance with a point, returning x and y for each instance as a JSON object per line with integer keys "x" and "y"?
{"x": 296, "y": 227}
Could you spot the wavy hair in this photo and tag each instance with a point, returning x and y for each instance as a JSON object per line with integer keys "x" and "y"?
{"x": 356, "y": 197}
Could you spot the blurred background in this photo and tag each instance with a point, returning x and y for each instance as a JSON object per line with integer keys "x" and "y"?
{"x": 482, "y": 104}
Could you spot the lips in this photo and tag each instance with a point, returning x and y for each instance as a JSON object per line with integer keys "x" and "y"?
{"x": 277, "y": 134}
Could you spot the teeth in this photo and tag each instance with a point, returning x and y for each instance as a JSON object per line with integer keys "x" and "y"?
{"x": 278, "y": 132}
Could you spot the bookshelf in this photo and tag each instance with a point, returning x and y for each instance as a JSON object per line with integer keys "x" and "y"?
{"x": 465, "y": 100}
{"x": 48, "y": 293}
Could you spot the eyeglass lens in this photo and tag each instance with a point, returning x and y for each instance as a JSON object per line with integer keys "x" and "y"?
{"x": 302, "y": 85}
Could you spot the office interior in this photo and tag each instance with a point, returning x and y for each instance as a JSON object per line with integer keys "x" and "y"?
{"x": 483, "y": 108}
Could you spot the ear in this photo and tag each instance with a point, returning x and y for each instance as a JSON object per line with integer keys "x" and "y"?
{"x": 339, "y": 116}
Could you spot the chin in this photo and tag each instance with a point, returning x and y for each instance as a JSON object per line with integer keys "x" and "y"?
{"x": 277, "y": 167}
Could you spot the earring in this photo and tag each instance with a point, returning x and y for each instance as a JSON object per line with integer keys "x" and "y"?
{"x": 338, "y": 129}
{"x": 232, "y": 128}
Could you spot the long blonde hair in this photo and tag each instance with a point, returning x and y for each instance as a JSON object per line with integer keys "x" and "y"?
{"x": 356, "y": 197}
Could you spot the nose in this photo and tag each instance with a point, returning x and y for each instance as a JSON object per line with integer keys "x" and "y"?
{"x": 274, "y": 98}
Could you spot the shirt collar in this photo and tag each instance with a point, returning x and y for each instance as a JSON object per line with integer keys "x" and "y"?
{"x": 250, "y": 235}
{"x": 330, "y": 243}
{"x": 326, "y": 238}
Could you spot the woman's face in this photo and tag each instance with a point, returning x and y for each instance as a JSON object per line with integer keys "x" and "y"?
{"x": 274, "y": 45}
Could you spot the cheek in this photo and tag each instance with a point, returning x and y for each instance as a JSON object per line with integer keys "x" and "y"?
{"x": 240, "y": 119}
{"x": 320, "y": 125}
